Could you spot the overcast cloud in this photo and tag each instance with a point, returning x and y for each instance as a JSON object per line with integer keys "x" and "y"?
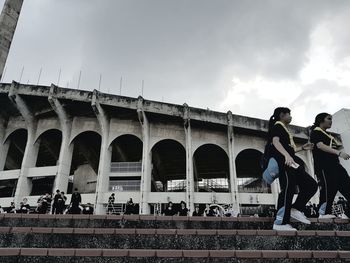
{"x": 245, "y": 56}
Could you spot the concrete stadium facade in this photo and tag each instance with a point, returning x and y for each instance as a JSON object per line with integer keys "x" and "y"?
{"x": 154, "y": 152}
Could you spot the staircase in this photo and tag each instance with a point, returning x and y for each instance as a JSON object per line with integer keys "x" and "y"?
{"x": 134, "y": 238}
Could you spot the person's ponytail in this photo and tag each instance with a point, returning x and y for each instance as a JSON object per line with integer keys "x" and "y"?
{"x": 276, "y": 117}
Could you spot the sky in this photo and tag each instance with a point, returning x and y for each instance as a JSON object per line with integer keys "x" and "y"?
{"x": 245, "y": 56}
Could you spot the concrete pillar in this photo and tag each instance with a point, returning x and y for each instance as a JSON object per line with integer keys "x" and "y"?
{"x": 8, "y": 22}
{"x": 24, "y": 184}
{"x": 4, "y": 147}
{"x": 189, "y": 160}
{"x": 66, "y": 150}
{"x": 105, "y": 155}
{"x": 146, "y": 172}
{"x": 310, "y": 163}
{"x": 232, "y": 164}
{"x": 275, "y": 190}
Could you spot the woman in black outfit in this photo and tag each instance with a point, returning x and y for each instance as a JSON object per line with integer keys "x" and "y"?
{"x": 169, "y": 210}
{"x": 331, "y": 174}
{"x": 183, "y": 211}
{"x": 291, "y": 173}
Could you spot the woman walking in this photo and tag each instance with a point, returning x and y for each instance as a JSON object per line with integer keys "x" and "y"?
{"x": 291, "y": 173}
{"x": 331, "y": 174}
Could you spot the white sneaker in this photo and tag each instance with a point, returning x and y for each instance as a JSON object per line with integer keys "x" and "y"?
{"x": 299, "y": 216}
{"x": 328, "y": 216}
{"x": 286, "y": 227}
{"x": 344, "y": 216}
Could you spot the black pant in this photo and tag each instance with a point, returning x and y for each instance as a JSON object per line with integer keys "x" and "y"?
{"x": 333, "y": 178}
{"x": 289, "y": 178}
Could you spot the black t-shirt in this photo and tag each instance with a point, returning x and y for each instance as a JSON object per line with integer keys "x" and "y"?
{"x": 197, "y": 214}
{"x": 169, "y": 211}
{"x": 278, "y": 131}
{"x": 183, "y": 212}
{"x": 321, "y": 158}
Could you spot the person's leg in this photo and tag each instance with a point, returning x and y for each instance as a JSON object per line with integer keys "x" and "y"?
{"x": 344, "y": 186}
{"x": 287, "y": 184}
{"x": 331, "y": 187}
{"x": 323, "y": 194}
{"x": 307, "y": 188}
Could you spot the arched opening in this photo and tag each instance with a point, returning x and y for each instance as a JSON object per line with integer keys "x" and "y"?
{"x": 168, "y": 167}
{"x": 211, "y": 169}
{"x": 8, "y": 188}
{"x": 49, "y": 148}
{"x": 85, "y": 162}
{"x": 249, "y": 173}
{"x": 17, "y": 141}
{"x": 126, "y": 164}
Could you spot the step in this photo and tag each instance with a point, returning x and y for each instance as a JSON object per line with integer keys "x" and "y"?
{"x": 160, "y": 222}
{"x": 131, "y": 238}
{"x": 144, "y": 255}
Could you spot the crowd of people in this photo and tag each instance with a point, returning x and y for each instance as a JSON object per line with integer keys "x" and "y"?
{"x": 210, "y": 210}
{"x": 46, "y": 204}
{"x": 129, "y": 208}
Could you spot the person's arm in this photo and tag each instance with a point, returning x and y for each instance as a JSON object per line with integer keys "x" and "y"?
{"x": 305, "y": 147}
{"x": 328, "y": 149}
{"x": 288, "y": 159}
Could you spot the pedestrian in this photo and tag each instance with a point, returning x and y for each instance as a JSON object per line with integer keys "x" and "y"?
{"x": 332, "y": 175}
{"x": 291, "y": 173}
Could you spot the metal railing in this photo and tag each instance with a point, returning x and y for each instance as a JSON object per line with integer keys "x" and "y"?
{"x": 124, "y": 185}
{"x": 213, "y": 184}
{"x": 252, "y": 185}
{"x": 176, "y": 185}
{"x": 126, "y": 167}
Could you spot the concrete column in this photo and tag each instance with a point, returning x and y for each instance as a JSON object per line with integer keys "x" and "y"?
{"x": 105, "y": 155}
{"x": 8, "y": 22}
{"x": 24, "y": 184}
{"x": 146, "y": 172}
{"x": 310, "y": 163}
{"x": 189, "y": 159}
{"x": 232, "y": 164}
{"x": 66, "y": 150}
{"x": 4, "y": 147}
{"x": 275, "y": 190}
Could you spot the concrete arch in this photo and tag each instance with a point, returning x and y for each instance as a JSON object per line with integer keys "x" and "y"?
{"x": 15, "y": 149}
{"x": 43, "y": 132}
{"x": 85, "y": 161}
{"x": 249, "y": 172}
{"x": 50, "y": 125}
{"x": 151, "y": 146}
{"x": 12, "y": 130}
{"x": 211, "y": 169}
{"x": 128, "y": 147}
{"x": 208, "y": 143}
{"x": 81, "y": 132}
{"x": 49, "y": 146}
{"x": 111, "y": 140}
{"x": 169, "y": 166}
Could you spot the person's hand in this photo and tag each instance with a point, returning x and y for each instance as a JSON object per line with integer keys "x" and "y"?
{"x": 289, "y": 160}
{"x": 344, "y": 155}
{"x": 308, "y": 146}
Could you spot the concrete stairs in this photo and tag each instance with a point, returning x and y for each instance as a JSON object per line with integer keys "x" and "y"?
{"x": 134, "y": 238}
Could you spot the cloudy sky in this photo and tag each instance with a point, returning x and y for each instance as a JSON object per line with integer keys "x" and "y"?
{"x": 245, "y": 56}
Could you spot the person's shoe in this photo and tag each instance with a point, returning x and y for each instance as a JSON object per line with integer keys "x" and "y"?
{"x": 328, "y": 216}
{"x": 286, "y": 227}
{"x": 344, "y": 216}
{"x": 299, "y": 216}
